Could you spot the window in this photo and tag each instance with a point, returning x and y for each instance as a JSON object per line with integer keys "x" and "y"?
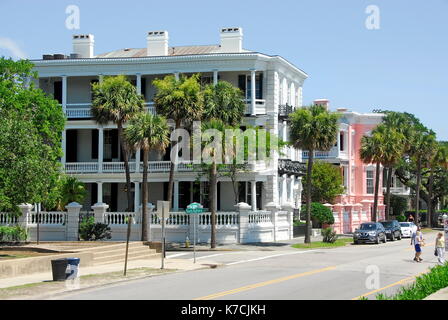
{"x": 370, "y": 184}
{"x": 341, "y": 137}
{"x": 245, "y": 85}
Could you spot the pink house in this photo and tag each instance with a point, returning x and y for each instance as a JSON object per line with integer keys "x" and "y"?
{"x": 355, "y": 206}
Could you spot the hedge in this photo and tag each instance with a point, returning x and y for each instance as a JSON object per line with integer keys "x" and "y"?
{"x": 13, "y": 234}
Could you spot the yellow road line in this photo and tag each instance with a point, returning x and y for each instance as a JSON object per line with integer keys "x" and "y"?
{"x": 262, "y": 284}
{"x": 402, "y": 281}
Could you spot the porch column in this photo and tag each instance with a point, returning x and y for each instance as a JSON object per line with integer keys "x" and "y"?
{"x": 291, "y": 191}
{"x": 136, "y": 196}
{"x": 176, "y": 196}
{"x": 100, "y": 149}
{"x": 253, "y": 93}
{"x": 254, "y": 195}
{"x": 64, "y": 94}
{"x": 139, "y": 83}
{"x": 137, "y": 160}
{"x": 64, "y": 148}
{"x": 284, "y": 189}
{"x": 215, "y": 77}
{"x": 100, "y": 192}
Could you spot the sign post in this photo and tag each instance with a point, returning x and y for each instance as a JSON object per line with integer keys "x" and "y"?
{"x": 445, "y": 229}
{"x": 163, "y": 210}
{"x": 194, "y": 209}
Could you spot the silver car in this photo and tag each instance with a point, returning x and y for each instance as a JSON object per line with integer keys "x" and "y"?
{"x": 407, "y": 229}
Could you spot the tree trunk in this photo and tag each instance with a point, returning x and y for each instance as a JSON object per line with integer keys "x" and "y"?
{"x": 172, "y": 167}
{"x": 377, "y": 187}
{"x": 389, "y": 182}
{"x": 125, "y": 150}
{"x": 417, "y": 191}
{"x": 308, "y": 197}
{"x": 430, "y": 195}
{"x": 145, "y": 235}
{"x": 213, "y": 186}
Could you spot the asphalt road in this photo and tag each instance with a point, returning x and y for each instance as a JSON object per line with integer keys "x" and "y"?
{"x": 282, "y": 274}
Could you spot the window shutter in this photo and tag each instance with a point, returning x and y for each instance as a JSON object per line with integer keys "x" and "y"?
{"x": 242, "y": 83}
{"x": 260, "y": 85}
{"x": 114, "y": 137}
{"x": 94, "y": 144}
{"x": 144, "y": 87}
{"x": 57, "y": 87}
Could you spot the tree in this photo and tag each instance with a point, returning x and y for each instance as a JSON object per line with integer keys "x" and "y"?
{"x": 313, "y": 128}
{"x": 326, "y": 182}
{"x": 371, "y": 153}
{"x": 116, "y": 100}
{"x": 180, "y": 100}
{"x": 31, "y": 124}
{"x": 147, "y": 132}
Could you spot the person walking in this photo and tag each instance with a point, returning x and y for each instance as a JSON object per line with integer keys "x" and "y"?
{"x": 440, "y": 248}
{"x": 418, "y": 241}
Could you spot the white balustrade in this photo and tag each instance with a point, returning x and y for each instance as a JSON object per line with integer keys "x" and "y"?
{"x": 119, "y": 218}
{"x": 257, "y": 217}
{"x": 8, "y": 218}
{"x": 81, "y": 167}
{"x": 47, "y": 218}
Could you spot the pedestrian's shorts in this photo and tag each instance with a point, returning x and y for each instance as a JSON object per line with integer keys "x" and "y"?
{"x": 417, "y": 248}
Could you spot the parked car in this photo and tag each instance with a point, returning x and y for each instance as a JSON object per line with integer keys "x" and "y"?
{"x": 407, "y": 229}
{"x": 370, "y": 232}
{"x": 393, "y": 229}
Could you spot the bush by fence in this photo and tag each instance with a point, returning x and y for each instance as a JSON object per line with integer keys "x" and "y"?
{"x": 13, "y": 234}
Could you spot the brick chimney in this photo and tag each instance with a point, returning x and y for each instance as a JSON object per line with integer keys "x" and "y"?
{"x": 157, "y": 43}
{"x": 231, "y": 40}
{"x": 83, "y": 45}
{"x": 322, "y": 102}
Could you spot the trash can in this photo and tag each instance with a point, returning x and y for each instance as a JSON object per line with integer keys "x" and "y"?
{"x": 72, "y": 268}
{"x": 58, "y": 268}
{"x": 65, "y": 268}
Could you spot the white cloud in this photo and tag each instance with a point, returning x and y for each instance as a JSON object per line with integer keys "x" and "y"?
{"x": 8, "y": 44}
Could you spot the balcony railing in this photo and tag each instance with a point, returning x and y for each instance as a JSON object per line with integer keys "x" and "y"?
{"x": 82, "y": 110}
{"x": 260, "y": 106}
{"x": 153, "y": 167}
{"x": 284, "y": 110}
{"x": 332, "y": 154}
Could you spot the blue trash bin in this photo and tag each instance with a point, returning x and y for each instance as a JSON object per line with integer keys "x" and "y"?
{"x": 72, "y": 268}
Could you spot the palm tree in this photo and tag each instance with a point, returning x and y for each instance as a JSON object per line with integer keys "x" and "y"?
{"x": 72, "y": 190}
{"x": 147, "y": 132}
{"x": 313, "y": 128}
{"x": 182, "y": 101}
{"x": 116, "y": 100}
{"x": 371, "y": 153}
{"x": 438, "y": 158}
{"x": 392, "y": 149}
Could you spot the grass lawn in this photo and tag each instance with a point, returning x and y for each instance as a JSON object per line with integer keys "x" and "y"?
{"x": 319, "y": 244}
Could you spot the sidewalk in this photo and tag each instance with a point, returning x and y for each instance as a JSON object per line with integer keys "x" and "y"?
{"x": 439, "y": 295}
{"x": 172, "y": 264}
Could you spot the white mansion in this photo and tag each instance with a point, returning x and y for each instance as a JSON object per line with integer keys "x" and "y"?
{"x": 273, "y": 88}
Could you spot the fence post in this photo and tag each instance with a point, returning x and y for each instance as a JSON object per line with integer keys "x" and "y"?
{"x": 243, "y": 210}
{"x": 72, "y": 223}
{"x": 273, "y": 208}
{"x": 99, "y": 210}
{"x": 23, "y": 220}
{"x": 288, "y": 207}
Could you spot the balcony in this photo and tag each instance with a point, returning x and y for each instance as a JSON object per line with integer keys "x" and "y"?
{"x": 333, "y": 154}
{"x": 286, "y": 166}
{"x": 260, "y": 107}
{"x": 284, "y": 110}
{"x": 82, "y": 110}
{"x": 154, "y": 167}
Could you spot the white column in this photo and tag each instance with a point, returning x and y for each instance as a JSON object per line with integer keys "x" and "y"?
{"x": 176, "y": 75}
{"x": 64, "y": 148}
{"x": 100, "y": 149}
{"x": 253, "y": 93}
{"x": 64, "y": 93}
{"x": 215, "y": 77}
{"x": 254, "y": 195}
{"x": 100, "y": 192}
{"x": 139, "y": 83}
{"x": 176, "y": 196}
{"x": 137, "y": 160}
{"x": 291, "y": 191}
{"x": 284, "y": 189}
{"x": 137, "y": 196}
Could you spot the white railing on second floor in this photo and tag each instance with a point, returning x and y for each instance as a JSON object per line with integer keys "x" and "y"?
{"x": 81, "y": 167}
{"x": 260, "y": 106}
{"x": 82, "y": 110}
{"x": 333, "y": 153}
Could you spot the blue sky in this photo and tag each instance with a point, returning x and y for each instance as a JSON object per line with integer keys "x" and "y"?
{"x": 402, "y": 66}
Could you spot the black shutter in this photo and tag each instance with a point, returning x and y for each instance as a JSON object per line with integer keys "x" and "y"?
{"x": 94, "y": 193}
{"x": 260, "y": 92}
{"x": 94, "y": 144}
{"x": 218, "y": 196}
{"x": 57, "y": 86}
{"x": 114, "y": 196}
{"x": 242, "y": 83}
{"x": 165, "y": 190}
{"x": 72, "y": 145}
{"x": 144, "y": 87}
{"x": 114, "y": 137}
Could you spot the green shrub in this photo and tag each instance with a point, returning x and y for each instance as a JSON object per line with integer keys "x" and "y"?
{"x": 320, "y": 214}
{"x": 329, "y": 235}
{"x": 424, "y": 285}
{"x": 401, "y": 218}
{"x": 13, "y": 234}
{"x": 398, "y": 204}
{"x": 91, "y": 231}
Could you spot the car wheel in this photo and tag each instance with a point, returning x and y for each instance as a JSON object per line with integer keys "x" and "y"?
{"x": 355, "y": 242}
{"x": 400, "y": 236}
{"x": 392, "y": 237}
{"x": 377, "y": 241}
{"x": 385, "y": 239}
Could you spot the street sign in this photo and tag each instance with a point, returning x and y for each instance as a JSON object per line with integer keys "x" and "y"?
{"x": 194, "y": 209}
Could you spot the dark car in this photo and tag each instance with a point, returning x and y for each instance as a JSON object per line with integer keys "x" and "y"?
{"x": 393, "y": 229}
{"x": 370, "y": 232}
